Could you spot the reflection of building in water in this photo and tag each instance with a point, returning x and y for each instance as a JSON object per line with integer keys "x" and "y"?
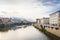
{"x": 55, "y": 19}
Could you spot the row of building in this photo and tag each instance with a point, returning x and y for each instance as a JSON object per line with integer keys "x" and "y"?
{"x": 4, "y": 20}
{"x": 53, "y": 21}
{"x": 13, "y": 21}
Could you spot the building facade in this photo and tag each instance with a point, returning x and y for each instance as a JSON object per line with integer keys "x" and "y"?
{"x": 45, "y": 21}
{"x": 55, "y": 19}
{"x": 5, "y": 20}
{"x": 38, "y": 21}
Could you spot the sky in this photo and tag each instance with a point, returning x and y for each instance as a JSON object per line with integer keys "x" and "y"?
{"x": 28, "y": 8}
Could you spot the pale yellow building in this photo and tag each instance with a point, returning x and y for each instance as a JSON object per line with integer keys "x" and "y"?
{"x": 55, "y": 19}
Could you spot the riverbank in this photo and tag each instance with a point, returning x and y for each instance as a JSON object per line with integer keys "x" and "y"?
{"x": 48, "y": 33}
{"x": 53, "y": 31}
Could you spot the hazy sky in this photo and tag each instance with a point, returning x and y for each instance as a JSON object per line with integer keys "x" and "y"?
{"x": 28, "y": 8}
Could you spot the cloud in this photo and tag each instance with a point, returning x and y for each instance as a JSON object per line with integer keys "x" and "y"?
{"x": 28, "y": 8}
{"x": 50, "y": 2}
{"x": 55, "y": 4}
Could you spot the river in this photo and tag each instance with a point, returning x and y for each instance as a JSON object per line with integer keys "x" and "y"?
{"x": 28, "y": 33}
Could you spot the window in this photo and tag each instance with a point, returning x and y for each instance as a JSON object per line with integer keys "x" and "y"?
{"x": 54, "y": 24}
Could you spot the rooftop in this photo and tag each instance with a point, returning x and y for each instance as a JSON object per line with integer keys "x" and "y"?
{"x": 54, "y": 12}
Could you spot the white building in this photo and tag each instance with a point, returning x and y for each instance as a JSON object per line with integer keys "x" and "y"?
{"x": 45, "y": 21}
{"x": 55, "y": 19}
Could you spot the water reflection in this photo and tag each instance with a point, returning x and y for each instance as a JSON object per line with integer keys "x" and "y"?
{"x": 28, "y": 33}
{"x": 6, "y": 29}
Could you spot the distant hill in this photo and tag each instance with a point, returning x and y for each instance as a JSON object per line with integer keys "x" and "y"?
{"x": 15, "y": 19}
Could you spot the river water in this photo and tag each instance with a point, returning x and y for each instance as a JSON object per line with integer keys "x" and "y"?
{"x": 28, "y": 33}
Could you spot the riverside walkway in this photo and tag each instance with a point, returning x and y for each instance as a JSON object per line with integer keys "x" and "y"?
{"x": 53, "y": 31}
